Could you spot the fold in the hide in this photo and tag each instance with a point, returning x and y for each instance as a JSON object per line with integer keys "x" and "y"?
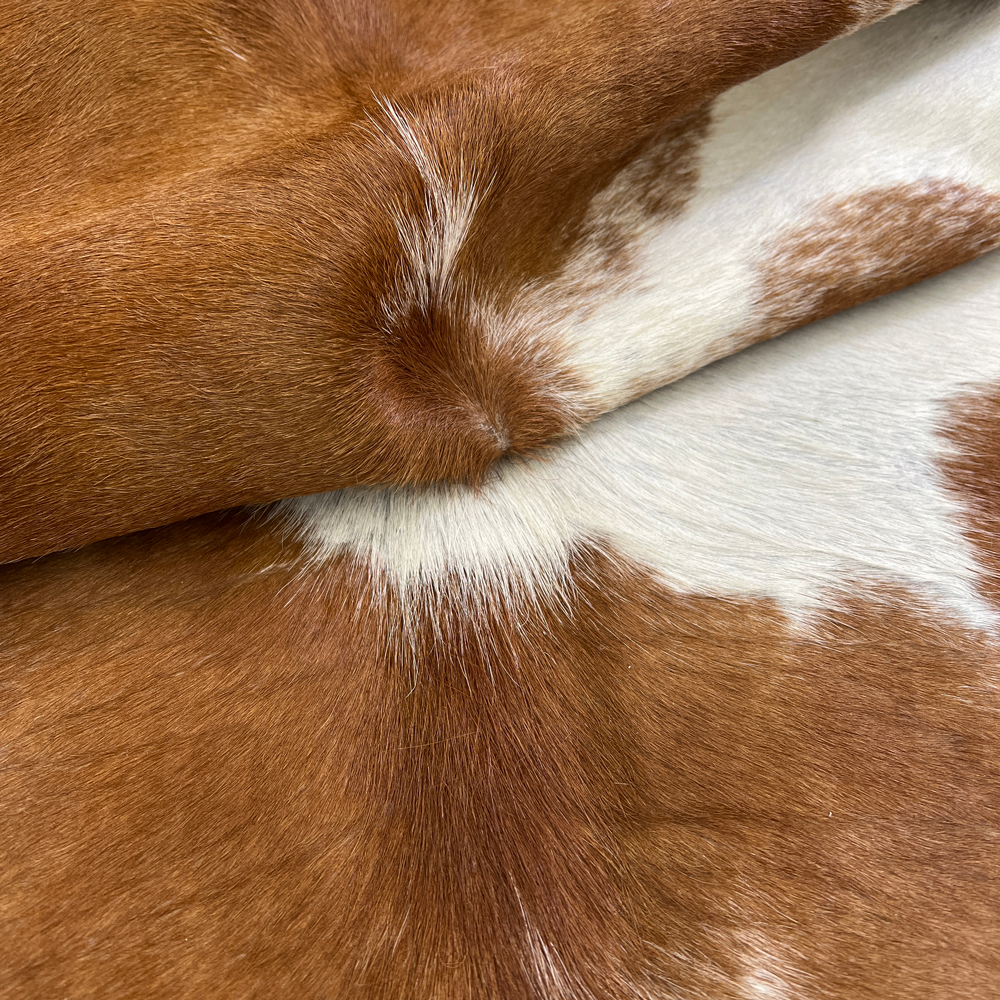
{"x": 259, "y": 250}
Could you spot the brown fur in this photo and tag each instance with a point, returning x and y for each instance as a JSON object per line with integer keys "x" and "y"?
{"x": 227, "y": 776}
{"x": 857, "y": 248}
{"x": 974, "y": 474}
{"x": 199, "y": 237}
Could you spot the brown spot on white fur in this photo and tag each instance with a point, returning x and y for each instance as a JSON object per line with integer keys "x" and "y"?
{"x": 973, "y": 473}
{"x": 855, "y": 248}
{"x": 654, "y": 187}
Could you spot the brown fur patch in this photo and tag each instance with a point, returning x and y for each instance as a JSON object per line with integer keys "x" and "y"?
{"x": 973, "y": 472}
{"x": 654, "y": 187}
{"x": 856, "y": 248}
{"x": 224, "y": 778}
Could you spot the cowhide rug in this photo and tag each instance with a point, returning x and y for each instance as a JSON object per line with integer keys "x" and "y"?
{"x": 488, "y": 664}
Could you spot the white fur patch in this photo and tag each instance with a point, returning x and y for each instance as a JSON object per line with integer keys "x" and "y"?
{"x": 913, "y": 98}
{"x": 433, "y": 238}
{"x": 769, "y": 975}
{"x": 791, "y": 471}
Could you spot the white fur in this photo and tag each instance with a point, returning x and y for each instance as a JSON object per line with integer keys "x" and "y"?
{"x": 432, "y": 239}
{"x": 913, "y": 98}
{"x": 769, "y": 974}
{"x": 791, "y": 471}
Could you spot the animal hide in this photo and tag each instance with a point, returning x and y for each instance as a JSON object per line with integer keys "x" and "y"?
{"x": 700, "y": 700}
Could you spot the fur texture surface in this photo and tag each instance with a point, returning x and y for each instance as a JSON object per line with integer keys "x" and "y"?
{"x": 709, "y": 484}
{"x": 699, "y": 701}
{"x": 262, "y": 249}
{"x": 869, "y": 164}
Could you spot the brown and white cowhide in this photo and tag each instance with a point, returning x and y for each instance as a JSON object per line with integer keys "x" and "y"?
{"x": 703, "y": 704}
{"x": 254, "y": 250}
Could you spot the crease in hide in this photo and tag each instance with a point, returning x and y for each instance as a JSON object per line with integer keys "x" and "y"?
{"x": 431, "y": 290}
{"x": 798, "y": 471}
{"x": 874, "y": 10}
